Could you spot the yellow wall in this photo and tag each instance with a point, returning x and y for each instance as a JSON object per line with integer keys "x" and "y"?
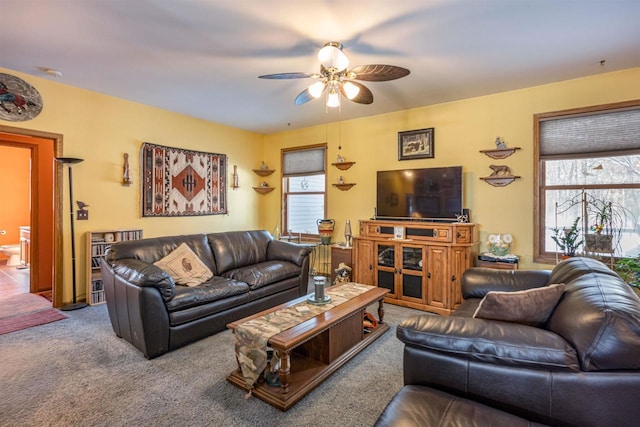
{"x": 100, "y": 129}
{"x": 462, "y": 128}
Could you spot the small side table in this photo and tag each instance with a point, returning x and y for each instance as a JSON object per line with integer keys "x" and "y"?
{"x": 484, "y": 261}
{"x": 340, "y": 254}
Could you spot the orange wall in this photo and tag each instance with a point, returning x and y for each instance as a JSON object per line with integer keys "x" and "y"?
{"x": 15, "y": 165}
{"x": 16, "y": 185}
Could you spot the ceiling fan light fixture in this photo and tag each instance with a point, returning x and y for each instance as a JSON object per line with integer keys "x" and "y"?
{"x": 334, "y": 80}
{"x": 350, "y": 90}
{"x": 331, "y": 56}
{"x": 316, "y": 89}
{"x": 333, "y": 99}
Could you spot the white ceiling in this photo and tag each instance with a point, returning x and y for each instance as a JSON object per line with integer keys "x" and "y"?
{"x": 202, "y": 57}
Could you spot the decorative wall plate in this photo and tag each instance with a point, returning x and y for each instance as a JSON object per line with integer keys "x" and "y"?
{"x": 19, "y": 101}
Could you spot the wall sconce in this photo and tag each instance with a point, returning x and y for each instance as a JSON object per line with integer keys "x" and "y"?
{"x": 126, "y": 177}
{"x": 234, "y": 178}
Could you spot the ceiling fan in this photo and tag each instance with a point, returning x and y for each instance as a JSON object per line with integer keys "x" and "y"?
{"x": 334, "y": 79}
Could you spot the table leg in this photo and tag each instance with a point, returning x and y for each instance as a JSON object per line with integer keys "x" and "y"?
{"x": 285, "y": 370}
{"x": 381, "y": 311}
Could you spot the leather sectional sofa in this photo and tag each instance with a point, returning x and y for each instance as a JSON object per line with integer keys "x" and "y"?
{"x": 580, "y": 368}
{"x": 251, "y": 272}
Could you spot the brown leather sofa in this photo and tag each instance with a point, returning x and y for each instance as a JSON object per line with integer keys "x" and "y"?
{"x": 252, "y": 272}
{"x": 582, "y": 368}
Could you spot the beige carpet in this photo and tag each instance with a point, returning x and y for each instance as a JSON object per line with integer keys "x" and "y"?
{"x": 25, "y": 311}
{"x": 77, "y": 372}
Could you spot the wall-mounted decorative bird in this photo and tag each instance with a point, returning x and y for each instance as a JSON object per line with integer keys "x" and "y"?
{"x": 82, "y": 213}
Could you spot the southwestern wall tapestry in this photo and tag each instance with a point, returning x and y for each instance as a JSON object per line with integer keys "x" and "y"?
{"x": 178, "y": 182}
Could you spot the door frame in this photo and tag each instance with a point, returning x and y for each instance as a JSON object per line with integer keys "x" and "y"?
{"x": 37, "y": 210}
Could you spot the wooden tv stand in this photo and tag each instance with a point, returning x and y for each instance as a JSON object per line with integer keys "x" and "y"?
{"x": 422, "y": 270}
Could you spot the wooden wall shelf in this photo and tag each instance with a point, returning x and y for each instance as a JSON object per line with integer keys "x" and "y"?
{"x": 263, "y": 190}
{"x": 500, "y": 153}
{"x": 344, "y": 187}
{"x": 263, "y": 172}
{"x": 500, "y": 181}
{"x": 343, "y": 165}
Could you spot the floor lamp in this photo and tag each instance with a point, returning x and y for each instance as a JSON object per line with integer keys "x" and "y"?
{"x": 70, "y": 161}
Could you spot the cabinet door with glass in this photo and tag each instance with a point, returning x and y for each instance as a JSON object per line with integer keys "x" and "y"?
{"x": 411, "y": 277}
{"x": 400, "y": 268}
{"x": 386, "y": 268}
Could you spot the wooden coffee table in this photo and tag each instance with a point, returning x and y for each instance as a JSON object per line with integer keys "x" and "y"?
{"x": 314, "y": 349}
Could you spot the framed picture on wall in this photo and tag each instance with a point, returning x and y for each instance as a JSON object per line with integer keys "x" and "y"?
{"x": 416, "y": 144}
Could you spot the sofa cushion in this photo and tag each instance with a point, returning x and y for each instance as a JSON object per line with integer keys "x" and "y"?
{"x": 530, "y": 307}
{"x": 187, "y": 315}
{"x": 276, "y": 288}
{"x": 152, "y": 249}
{"x": 184, "y": 267}
{"x": 218, "y": 288}
{"x": 264, "y": 273}
{"x": 235, "y": 249}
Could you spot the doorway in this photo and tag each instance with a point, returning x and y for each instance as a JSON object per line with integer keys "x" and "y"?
{"x": 46, "y": 208}
{"x": 15, "y": 217}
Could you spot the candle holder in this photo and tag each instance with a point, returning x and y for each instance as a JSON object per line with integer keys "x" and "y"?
{"x": 319, "y": 297}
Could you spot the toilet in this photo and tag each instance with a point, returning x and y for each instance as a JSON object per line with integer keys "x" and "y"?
{"x": 13, "y": 252}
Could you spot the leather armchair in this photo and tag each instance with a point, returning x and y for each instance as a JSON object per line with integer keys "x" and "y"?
{"x": 580, "y": 369}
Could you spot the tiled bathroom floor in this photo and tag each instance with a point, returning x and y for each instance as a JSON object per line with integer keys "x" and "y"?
{"x": 12, "y": 280}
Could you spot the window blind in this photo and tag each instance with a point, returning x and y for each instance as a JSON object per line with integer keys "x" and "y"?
{"x": 615, "y": 130}
{"x": 303, "y": 162}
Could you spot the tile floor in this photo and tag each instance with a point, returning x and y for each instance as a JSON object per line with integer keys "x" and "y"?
{"x": 12, "y": 280}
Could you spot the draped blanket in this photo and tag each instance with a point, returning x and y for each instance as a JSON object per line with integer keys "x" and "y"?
{"x": 252, "y": 336}
{"x": 178, "y": 182}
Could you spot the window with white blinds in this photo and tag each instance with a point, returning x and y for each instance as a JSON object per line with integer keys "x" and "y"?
{"x": 617, "y": 130}
{"x": 304, "y": 189}
{"x": 303, "y": 161}
{"x": 589, "y": 153}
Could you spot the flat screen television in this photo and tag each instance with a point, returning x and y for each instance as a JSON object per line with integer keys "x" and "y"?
{"x": 425, "y": 194}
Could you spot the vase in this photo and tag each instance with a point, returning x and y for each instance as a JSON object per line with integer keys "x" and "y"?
{"x": 325, "y": 230}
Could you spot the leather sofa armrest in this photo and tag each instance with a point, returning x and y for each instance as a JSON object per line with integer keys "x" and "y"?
{"x": 288, "y": 251}
{"x": 488, "y": 341}
{"x": 143, "y": 274}
{"x": 477, "y": 281}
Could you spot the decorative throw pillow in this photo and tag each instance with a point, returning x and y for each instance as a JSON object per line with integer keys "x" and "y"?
{"x": 530, "y": 307}
{"x": 184, "y": 266}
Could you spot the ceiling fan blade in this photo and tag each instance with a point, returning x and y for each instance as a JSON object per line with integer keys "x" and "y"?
{"x": 378, "y": 72}
{"x": 364, "y": 96}
{"x": 303, "y": 97}
{"x": 282, "y": 76}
